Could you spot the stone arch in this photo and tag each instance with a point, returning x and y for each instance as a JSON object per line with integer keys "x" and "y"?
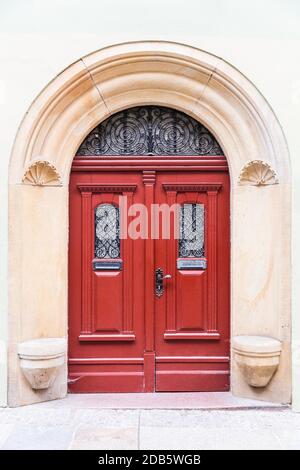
{"x": 210, "y": 90}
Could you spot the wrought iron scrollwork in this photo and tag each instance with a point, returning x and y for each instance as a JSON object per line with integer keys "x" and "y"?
{"x": 107, "y": 231}
{"x": 149, "y": 130}
{"x": 191, "y": 231}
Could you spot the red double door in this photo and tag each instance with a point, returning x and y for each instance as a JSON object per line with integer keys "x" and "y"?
{"x": 148, "y": 309}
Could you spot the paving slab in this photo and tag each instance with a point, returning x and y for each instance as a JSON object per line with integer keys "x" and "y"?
{"x": 203, "y": 438}
{"x": 5, "y": 431}
{"x": 105, "y": 438}
{"x": 219, "y": 429}
{"x": 38, "y": 438}
{"x": 73, "y": 423}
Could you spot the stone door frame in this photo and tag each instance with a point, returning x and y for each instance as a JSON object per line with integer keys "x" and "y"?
{"x": 210, "y": 90}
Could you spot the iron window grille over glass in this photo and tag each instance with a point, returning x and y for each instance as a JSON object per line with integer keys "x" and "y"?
{"x": 191, "y": 231}
{"x": 107, "y": 231}
{"x": 149, "y": 130}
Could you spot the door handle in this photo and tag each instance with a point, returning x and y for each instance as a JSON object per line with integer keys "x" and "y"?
{"x": 159, "y": 281}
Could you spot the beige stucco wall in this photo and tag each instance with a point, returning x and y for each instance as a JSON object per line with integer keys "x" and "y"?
{"x": 39, "y": 41}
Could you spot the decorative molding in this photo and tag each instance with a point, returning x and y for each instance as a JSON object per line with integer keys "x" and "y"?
{"x": 106, "y": 188}
{"x": 107, "y": 360}
{"x": 149, "y": 176}
{"x": 195, "y": 336}
{"x": 257, "y": 357}
{"x": 42, "y": 173}
{"x": 40, "y": 360}
{"x": 212, "y": 256}
{"x": 189, "y": 359}
{"x": 184, "y": 163}
{"x": 106, "y": 337}
{"x": 192, "y": 188}
{"x": 188, "y": 71}
{"x": 149, "y": 130}
{"x": 258, "y": 173}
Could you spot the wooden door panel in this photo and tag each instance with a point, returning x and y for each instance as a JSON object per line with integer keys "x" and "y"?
{"x": 106, "y": 283}
{"x": 107, "y": 297}
{"x": 115, "y": 344}
{"x": 192, "y": 316}
{"x": 191, "y": 301}
{"x": 114, "y": 375}
{"x": 185, "y": 376}
{"x": 106, "y": 309}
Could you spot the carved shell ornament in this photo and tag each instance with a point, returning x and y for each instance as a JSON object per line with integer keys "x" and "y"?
{"x": 42, "y": 173}
{"x": 257, "y": 173}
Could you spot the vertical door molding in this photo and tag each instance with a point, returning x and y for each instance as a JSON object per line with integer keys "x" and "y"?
{"x": 149, "y": 179}
{"x": 128, "y": 274}
{"x": 171, "y": 267}
{"x": 212, "y": 284}
{"x": 86, "y": 240}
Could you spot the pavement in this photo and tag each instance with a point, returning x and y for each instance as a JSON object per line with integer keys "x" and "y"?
{"x": 150, "y": 421}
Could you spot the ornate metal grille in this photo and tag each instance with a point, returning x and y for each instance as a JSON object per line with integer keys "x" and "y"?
{"x": 191, "y": 231}
{"x": 107, "y": 231}
{"x": 149, "y": 130}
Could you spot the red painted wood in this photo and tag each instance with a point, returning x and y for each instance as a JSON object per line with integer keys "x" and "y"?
{"x": 122, "y": 338}
{"x": 149, "y": 368}
{"x": 114, "y": 327}
{"x": 192, "y": 359}
{"x": 192, "y": 317}
{"x": 107, "y": 337}
{"x": 91, "y": 164}
{"x": 149, "y": 179}
{"x": 191, "y": 336}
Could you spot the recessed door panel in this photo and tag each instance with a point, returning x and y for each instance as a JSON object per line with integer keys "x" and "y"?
{"x": 108, "y": 315}
{"x": 191, "y": 301}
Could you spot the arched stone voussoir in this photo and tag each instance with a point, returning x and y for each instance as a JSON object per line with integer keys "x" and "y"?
{"x": 140, "y": 73}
